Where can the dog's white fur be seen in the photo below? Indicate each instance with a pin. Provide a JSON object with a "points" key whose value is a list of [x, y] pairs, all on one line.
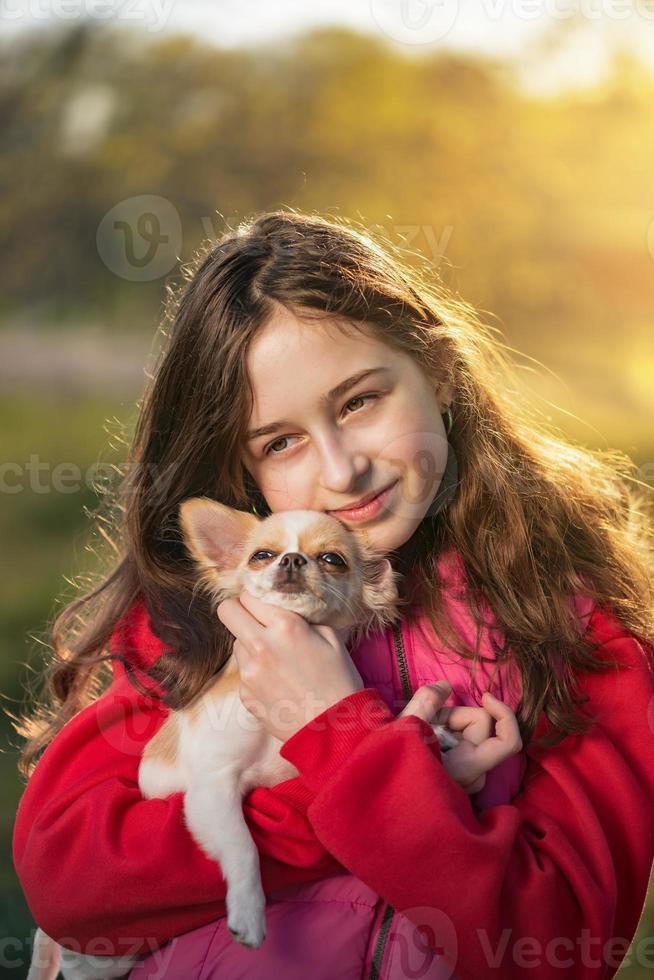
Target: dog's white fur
{"points": [[214, 750]]}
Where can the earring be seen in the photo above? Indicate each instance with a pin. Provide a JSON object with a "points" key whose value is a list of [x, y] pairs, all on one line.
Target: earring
{"points": [[448, 484], [264, 507], [450, 420]]}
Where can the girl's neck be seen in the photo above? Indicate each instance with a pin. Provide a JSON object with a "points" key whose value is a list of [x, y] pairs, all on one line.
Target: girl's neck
{"points": [[415, 551]]}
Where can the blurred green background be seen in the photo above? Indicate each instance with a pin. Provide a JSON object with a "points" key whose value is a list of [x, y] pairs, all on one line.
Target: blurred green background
{"points": [[122, 152]]}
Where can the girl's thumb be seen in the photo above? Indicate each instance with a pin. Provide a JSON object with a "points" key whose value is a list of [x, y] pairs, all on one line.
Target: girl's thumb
{"points": [[427, 701]]}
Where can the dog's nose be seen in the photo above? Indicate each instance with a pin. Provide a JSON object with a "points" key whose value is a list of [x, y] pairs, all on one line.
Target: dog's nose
{"points": [[292, 561], [290, 577]]}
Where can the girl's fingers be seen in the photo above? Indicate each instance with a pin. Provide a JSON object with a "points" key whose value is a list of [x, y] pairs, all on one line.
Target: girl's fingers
{"points": [[427, 701], [264, 612], [507, 740], [464, 763], [247, 617], [475, 723], [240, 623], [490, 753], [507, 729]]}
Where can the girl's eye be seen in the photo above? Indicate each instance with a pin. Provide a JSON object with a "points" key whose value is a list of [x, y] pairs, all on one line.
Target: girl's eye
{"points": [[268, 450], [360, 398]]}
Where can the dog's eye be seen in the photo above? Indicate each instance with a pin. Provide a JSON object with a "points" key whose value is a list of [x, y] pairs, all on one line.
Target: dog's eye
{"points": [[262, 555], [333, 558]]}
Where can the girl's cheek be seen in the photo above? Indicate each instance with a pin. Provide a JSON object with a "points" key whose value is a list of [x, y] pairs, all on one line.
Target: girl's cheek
{"points": [[283, 492]]}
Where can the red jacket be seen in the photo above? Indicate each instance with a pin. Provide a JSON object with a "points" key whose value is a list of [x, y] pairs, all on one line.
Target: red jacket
{"points": [[557, 877]]}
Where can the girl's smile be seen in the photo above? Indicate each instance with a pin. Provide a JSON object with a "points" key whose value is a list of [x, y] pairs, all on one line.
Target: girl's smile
{"points": [[369, 509]]}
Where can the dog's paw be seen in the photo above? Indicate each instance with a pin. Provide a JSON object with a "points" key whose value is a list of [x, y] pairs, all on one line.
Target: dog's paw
{"points": [[246, 920]]}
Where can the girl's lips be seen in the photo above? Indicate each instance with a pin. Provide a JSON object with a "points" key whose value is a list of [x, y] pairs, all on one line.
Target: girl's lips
{"points": [[369, 509]]}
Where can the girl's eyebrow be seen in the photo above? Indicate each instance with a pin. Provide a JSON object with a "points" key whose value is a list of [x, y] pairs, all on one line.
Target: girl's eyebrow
{"points": [[332, 395]]}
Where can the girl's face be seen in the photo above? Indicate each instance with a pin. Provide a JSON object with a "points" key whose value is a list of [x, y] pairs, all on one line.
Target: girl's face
{"points": [[325, 452]]}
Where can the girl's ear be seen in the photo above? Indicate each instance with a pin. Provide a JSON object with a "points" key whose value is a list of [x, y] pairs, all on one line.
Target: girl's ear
{"points": [[445, 395], [214, 534]]}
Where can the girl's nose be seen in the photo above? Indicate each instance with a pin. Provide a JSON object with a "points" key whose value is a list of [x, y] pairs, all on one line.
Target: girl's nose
{"points": [[341, 466]]}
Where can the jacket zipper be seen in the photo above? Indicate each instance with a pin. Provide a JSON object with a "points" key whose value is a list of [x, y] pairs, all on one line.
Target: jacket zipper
{"points": [[401, 661], [389, 911]]}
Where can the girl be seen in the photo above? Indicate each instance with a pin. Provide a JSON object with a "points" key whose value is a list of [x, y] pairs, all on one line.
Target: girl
{"points": [[308, 367]]}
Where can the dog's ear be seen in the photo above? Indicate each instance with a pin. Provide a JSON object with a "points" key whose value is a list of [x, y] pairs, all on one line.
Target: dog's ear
{"points": [[214, 534], [379, 583], [380, 598]]}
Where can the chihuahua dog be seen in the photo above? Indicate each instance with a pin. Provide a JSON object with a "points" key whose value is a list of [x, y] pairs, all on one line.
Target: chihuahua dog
{"points": [[213, 749]]}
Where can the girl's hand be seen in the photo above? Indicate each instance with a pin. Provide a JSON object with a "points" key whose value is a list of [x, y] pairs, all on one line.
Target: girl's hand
{"points": [[477, 752], [290, 670]]}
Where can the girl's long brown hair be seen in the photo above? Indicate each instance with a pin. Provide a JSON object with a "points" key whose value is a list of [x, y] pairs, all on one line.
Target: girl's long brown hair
{"points": [[533, 517]]}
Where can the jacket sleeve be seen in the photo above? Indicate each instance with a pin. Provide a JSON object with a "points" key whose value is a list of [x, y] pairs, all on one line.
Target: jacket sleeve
{"points": [[96, 859], [551, 885]]}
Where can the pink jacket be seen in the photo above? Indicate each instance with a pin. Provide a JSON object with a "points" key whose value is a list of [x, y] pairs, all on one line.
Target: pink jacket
{"points": [[337, 927]]}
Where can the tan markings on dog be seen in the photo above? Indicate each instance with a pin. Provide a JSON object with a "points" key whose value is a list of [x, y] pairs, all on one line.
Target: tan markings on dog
{"points": [[322, 535], [227, 680], [260, 563], [163, 745]]}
